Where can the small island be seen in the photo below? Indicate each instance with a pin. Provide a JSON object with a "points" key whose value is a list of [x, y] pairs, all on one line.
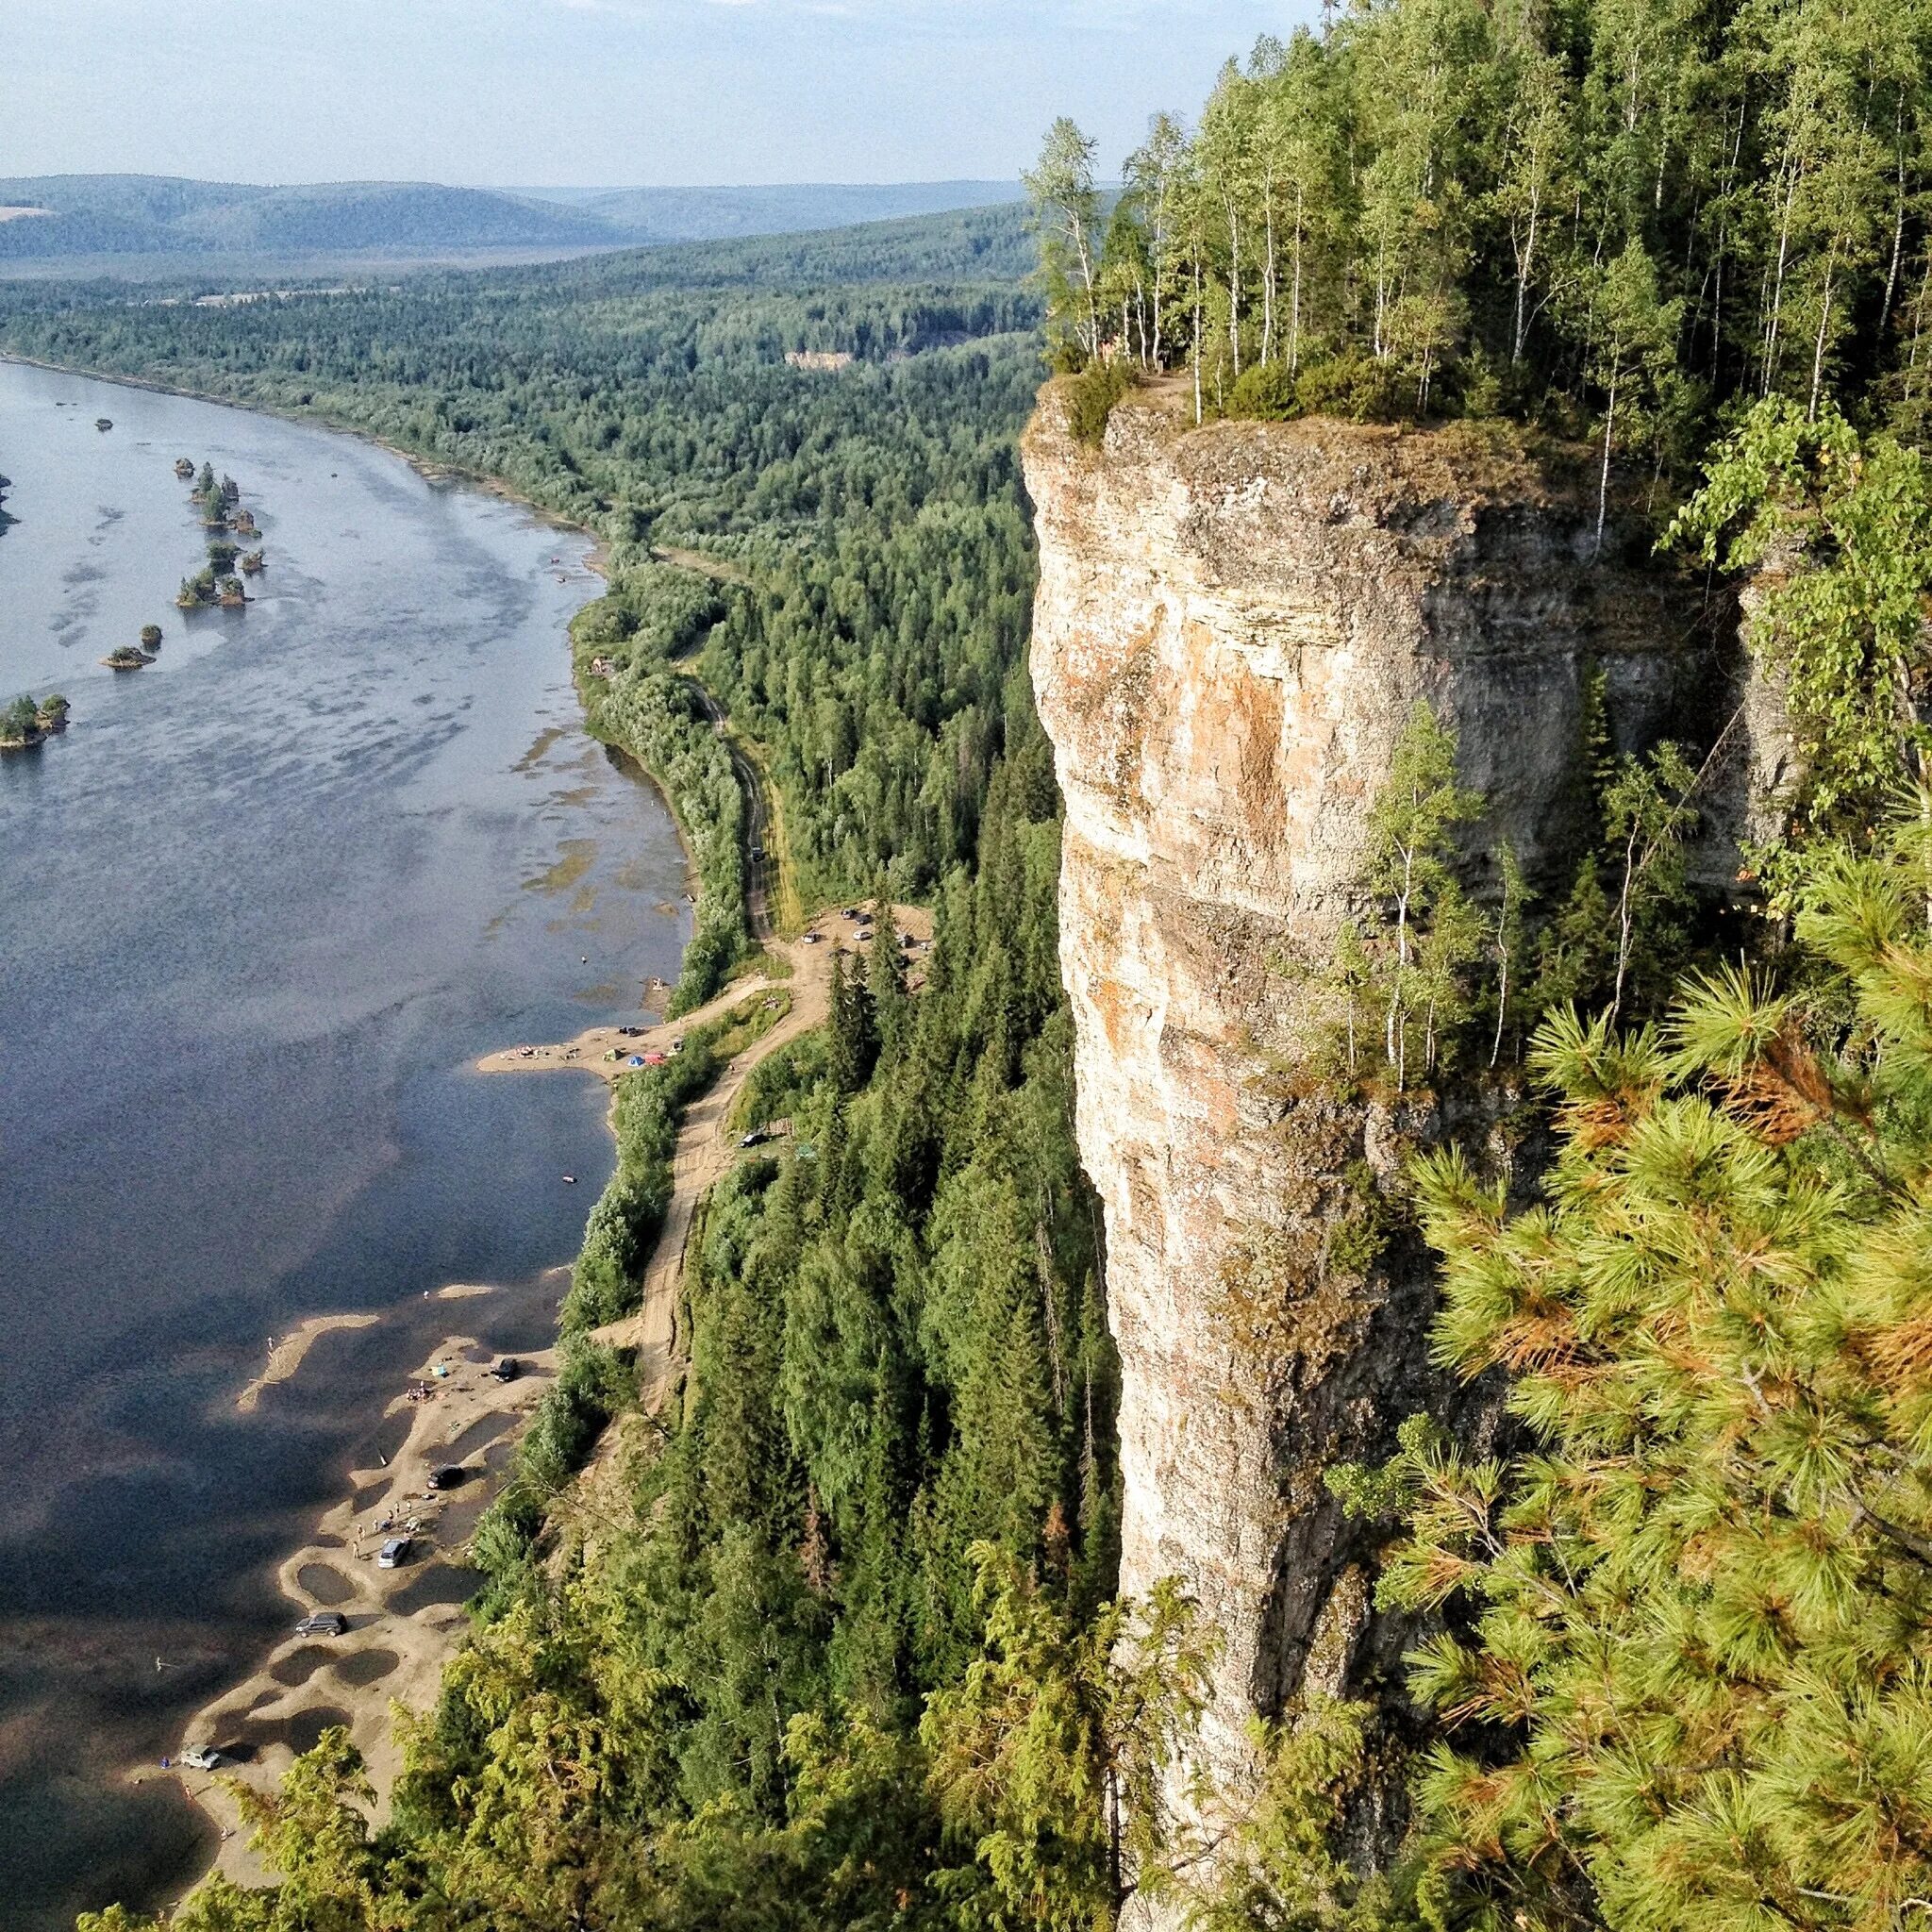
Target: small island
{"points": [[211, 497], [104, 424], [126, 658], [219, 581], [150, 638], [27, 720]]}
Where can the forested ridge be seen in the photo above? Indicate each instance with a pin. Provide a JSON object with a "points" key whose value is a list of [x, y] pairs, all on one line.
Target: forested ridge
{"points": [[219, 222], [1611, 219]]}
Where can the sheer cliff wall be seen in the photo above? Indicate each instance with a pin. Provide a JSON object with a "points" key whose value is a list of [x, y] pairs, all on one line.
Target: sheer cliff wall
{"points": [[1232, 625]]}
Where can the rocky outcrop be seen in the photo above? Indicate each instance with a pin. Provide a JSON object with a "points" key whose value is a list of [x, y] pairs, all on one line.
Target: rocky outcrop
{"points": [[1232, 625]]}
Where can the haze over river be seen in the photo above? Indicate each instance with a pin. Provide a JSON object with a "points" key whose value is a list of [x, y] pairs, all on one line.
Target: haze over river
{"points": [[260, 907]]}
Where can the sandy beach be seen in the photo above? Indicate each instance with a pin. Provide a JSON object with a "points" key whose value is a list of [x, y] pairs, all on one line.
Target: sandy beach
{"points": [[405, 1623], [287, 1355], [606, 1051]]}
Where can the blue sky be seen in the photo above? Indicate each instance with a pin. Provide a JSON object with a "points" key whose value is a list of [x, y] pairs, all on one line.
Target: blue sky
{"points": [[592, 92]]}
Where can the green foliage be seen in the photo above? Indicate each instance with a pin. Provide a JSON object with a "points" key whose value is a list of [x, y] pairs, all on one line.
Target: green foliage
{"points": [[1049, 1758], [1401, 970], [1090, 397], [1276, 1868], [1066, 214], [1841, 526], [19, 721], [1688, 1657], [1608, 219]]}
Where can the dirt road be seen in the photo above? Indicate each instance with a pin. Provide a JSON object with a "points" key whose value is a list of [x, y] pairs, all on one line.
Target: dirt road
{"points": [[705, 1149]]}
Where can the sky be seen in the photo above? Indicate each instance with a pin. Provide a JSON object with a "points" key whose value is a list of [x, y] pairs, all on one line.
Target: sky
{"points": [[597, 93]]}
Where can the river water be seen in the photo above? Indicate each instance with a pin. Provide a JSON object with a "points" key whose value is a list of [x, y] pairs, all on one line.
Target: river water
{"points": [[260, 907]]}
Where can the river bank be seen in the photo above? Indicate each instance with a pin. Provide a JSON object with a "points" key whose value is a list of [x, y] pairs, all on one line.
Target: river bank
{"points": [[261, 1719], [272, 910], [404, 1624]]}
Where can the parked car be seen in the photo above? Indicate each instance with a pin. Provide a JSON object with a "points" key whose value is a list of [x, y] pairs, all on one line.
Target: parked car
{"points": [[755, 1138], [451, 1477], [507, 1370], [202, 1757], [391, 1553], [322, 1623]]}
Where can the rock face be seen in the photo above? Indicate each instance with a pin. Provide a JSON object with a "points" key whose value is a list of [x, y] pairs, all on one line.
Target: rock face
{"points": [[1233, 625]]}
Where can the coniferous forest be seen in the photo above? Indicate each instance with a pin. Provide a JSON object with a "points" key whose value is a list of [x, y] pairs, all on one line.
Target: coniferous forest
{"points": [[848, 1651]]}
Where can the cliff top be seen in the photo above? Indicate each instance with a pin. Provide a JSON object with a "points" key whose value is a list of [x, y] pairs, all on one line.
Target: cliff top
{"points": [[1372, 465]]}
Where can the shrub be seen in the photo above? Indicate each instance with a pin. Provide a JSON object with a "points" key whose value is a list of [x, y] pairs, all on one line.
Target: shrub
{"points": [[1360, 388], [1269, 392], [1091, 399]]}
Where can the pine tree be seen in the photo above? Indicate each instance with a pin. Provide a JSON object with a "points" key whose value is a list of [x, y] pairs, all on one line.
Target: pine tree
{"points": [[1693, 1661], [1049, 1757], [884, 981], [853, 1041]]}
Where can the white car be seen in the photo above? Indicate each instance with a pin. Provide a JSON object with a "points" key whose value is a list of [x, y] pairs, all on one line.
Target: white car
{"points": [[201, 1757], [391, 1553]]}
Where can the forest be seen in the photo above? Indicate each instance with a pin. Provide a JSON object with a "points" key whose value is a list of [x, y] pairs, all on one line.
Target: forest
{"points": [[1671, 1630], [1610, 219]]}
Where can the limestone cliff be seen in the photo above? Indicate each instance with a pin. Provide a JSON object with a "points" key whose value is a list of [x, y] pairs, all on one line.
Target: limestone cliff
{"points": [[1232, 625]]}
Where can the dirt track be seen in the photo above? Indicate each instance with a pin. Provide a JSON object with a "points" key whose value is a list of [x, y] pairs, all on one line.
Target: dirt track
{"points": [[705, 1149]]}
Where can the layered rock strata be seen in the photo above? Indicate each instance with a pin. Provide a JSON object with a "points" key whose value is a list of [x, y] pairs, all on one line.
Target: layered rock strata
{"points": [[1232, 625]]}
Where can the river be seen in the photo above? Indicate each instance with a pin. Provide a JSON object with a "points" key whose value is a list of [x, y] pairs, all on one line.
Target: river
{"points": [[260, 907]]}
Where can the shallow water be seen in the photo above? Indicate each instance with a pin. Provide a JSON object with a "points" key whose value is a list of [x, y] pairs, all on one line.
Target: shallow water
{"points": [[260, 907]]}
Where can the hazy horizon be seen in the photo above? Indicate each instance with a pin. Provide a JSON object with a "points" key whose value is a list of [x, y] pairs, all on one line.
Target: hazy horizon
{"points": [[554, 94], [546, 190]]}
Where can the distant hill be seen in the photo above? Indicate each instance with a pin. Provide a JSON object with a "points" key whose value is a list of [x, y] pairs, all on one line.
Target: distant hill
{"points": [[51, 218], [714, 214], [977, 244], [55, 215]]}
